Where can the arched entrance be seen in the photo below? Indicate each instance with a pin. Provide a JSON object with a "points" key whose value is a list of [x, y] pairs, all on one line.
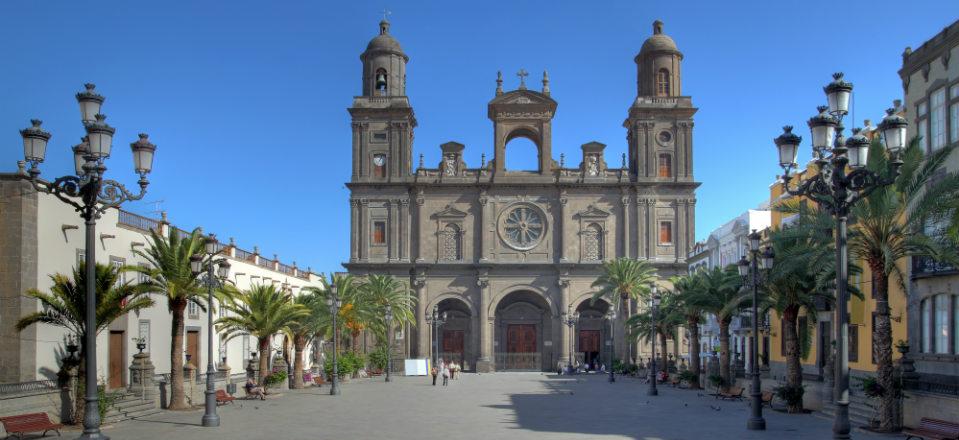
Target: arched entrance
{"points": [[523, 335], [455, 335], [592, 342]]}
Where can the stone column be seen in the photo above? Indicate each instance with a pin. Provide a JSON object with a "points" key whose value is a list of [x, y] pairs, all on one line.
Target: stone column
{"points": [[679, 229], [393, 249], [625, 201], [354, 229], [564, 330], [481, 231], [563, 199], [485, 362], [420, 200], [641, 231], [422, 328], [652, 227], [404, 217], [364, 232]]}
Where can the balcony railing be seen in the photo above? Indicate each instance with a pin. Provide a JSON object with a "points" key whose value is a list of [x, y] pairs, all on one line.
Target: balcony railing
{"points": [[928, 266], [138, 221], [28, 387]]}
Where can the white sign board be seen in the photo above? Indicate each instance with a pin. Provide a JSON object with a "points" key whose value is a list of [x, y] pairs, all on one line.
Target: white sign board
{"points": [[417, 367]]}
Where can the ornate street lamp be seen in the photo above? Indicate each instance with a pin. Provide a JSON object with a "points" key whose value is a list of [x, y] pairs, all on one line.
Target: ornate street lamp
{"points": [[334, 303], [759, 261], [570, 319], [91, 195], [436, 319], [389, 342], [654, 300], [611, 316], [842, 181], [199, 262]]}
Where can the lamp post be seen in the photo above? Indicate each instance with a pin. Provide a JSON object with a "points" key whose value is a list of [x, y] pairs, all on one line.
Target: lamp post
{"points": [[570, 319], [841, 182], [653, 305], [212, 281], [435, 320], [334, 303], [389, 343], [758, 259], [611, 315], [91, 195]]}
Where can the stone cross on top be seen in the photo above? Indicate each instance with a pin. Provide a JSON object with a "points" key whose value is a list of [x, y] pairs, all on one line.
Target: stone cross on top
{"points": [[386, 14], [522, 74]]}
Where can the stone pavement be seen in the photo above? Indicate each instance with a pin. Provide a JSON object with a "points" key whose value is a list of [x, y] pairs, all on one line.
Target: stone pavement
{"points": [[499, 406]]}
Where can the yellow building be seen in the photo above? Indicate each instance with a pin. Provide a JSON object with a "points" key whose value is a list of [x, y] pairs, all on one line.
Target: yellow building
{"points": [[861, 312]]}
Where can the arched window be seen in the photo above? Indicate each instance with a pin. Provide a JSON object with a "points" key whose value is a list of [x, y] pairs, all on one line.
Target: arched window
{"points": [[451, 243], [593, 243], [662, 83], [379, 165], [665, 165], [379, 83]]}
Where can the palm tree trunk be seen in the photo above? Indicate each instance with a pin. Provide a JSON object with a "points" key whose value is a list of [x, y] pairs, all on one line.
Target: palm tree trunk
{"points": [[664, 346], [693, 325], [791, 341], [882, 341], [724, 369], [299, 343], [177, 396], [264, 360]]}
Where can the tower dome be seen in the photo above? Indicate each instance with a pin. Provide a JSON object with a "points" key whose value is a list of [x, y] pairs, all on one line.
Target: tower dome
{"points": [[658, 65], [384, 65]]}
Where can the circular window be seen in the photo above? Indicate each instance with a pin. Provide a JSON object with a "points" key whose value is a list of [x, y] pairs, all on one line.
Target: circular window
{"points": [[522, 227], [665, 137]]}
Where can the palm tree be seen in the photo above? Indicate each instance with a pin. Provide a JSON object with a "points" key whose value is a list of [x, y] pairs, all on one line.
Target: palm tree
{"points": [[690, 305], [307, 327], [65, 305], [624, 279], [355, 313], [668, 319], [387, 292], [170, 275], [261, 311], [889, 227], [721, 298]]}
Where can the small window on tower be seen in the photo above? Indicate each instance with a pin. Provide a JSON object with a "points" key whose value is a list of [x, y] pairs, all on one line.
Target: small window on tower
{"points": [[662, 82], [665, 233], [381, 80], [379, 232], [379, 165], [665, 165]]}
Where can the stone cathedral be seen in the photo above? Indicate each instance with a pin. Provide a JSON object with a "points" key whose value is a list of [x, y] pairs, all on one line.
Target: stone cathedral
{"points": [[509, 254]]}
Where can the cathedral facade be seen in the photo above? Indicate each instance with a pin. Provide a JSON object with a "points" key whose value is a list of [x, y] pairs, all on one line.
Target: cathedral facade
{"points": [[508, 255]]}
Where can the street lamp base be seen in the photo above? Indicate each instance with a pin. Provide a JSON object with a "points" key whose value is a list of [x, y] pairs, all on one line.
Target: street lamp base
{"points": [[841, 426], [652, 392], [611, 377], [756, 424], [93, 436], [211, 421], [388, 379]]}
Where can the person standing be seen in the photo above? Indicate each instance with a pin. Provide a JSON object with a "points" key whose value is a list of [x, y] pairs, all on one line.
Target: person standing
{"points": [[446, 374], [433, 372]]}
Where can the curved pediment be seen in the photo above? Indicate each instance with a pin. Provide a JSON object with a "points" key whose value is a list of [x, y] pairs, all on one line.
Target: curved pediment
{"points": [[522, 104]]}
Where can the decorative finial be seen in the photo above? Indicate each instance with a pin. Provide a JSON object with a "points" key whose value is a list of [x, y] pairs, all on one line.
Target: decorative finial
{"points": [[657, 27], [624, 161], [421, 160], [163, 217], [21, 168], [788, 128], [545, 83], [232, 241], [384, 23], [482, 160], [822, 108], [522, 74], [562, 160], [890, 111], [499, 82]]}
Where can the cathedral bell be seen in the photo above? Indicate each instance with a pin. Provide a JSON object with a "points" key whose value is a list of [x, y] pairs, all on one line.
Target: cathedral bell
{"points": [[380, 81]]}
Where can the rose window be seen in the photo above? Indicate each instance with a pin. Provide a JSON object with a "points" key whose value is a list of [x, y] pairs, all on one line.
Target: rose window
{"points": [[523, 227]]}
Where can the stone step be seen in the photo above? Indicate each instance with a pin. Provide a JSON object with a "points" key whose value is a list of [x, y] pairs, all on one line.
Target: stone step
{"points": [[130, 406]]}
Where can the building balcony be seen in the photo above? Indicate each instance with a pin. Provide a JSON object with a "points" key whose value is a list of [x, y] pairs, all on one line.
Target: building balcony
{"points": [[923, 267]]}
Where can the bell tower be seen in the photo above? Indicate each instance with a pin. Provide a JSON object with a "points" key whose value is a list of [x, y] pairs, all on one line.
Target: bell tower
{"points": [[383, 119]]}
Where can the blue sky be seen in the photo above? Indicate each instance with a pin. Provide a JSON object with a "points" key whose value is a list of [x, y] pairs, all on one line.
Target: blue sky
{"points": [[247, 99]]}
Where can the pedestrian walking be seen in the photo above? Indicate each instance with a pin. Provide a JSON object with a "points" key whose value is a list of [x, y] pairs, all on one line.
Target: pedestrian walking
{"points": [[446, 374], [453, 367], [433, 372]]}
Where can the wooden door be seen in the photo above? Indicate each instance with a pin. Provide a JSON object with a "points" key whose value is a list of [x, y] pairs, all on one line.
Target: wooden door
{"points": [[117, 365], [521, 347], [453, 345], [193, 346], [589, 341]]}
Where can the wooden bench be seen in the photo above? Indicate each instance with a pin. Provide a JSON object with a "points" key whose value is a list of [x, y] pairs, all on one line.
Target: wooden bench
{"points": [[768, 397], [933, 429], [318, 380], [222, 398], [372, 373], [33, 422], [675, 382], [733, 393]]}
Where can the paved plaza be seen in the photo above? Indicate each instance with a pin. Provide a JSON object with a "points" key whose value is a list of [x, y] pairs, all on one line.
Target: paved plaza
{"points": [[483, 406]]}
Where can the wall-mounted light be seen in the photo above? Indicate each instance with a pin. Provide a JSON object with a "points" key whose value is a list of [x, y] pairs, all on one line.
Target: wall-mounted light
{"points": [[136, 244], [106, 236], [66, 228]]}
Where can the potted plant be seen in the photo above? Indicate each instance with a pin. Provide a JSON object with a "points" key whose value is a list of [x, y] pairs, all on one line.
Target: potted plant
{"points": [[792, 395], [902, 346], [141, 343]]}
